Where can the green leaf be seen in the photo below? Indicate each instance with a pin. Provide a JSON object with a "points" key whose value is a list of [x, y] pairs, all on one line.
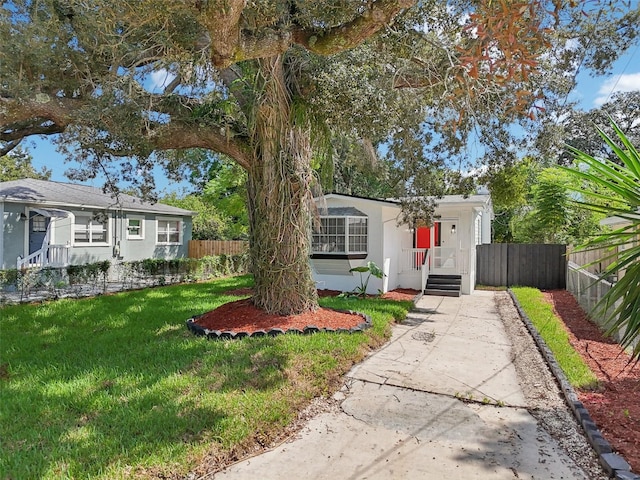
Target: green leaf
{"points": [[361, 269], [620, 306]]}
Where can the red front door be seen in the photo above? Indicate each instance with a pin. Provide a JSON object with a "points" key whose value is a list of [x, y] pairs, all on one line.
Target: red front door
{"points": [[423, 236]]}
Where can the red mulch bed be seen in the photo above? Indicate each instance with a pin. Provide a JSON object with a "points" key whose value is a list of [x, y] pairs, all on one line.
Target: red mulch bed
{"points": [[400, 294], [615, 407], [242, 316]]}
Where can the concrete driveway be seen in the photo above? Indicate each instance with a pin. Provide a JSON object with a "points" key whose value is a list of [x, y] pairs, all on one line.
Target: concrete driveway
{"points": [[440, 401]]}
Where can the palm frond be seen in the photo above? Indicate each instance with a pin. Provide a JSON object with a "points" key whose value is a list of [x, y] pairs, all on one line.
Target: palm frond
{"points": [[620, 307]]}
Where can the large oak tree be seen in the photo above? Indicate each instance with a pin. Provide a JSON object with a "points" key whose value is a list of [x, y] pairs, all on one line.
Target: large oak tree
{"points": [[124, 84]]}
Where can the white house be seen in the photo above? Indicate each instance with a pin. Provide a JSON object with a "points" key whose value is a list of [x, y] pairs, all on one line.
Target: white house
{"points": [[52, 223], [354, 231]]}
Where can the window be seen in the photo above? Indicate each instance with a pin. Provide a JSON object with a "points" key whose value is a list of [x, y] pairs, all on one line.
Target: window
{"points": [[39, 223], [341, 235], [357, 234], [169, 231], [135, 228], [88, 230]]}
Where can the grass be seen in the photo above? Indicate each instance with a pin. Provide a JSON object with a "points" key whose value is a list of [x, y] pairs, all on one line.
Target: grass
{"points": [[556, 337], [116, 387]]}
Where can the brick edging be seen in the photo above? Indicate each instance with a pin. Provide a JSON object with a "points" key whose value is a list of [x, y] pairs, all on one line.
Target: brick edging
{"points": [[615, 466]]}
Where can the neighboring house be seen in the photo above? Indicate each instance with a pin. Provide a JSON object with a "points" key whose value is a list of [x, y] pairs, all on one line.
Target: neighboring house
{"points": [[356, 230], [51, 223]]}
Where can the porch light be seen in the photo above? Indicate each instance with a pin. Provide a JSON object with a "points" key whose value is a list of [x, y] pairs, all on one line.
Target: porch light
{"points": [[22, 217], [453, 229]]}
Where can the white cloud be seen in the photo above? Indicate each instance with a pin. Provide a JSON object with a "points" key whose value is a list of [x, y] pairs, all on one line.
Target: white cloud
{"points": [[620, 83], [160, 79]]}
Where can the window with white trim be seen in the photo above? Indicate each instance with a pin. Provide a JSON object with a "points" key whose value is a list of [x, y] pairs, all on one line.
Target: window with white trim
{"points": [[169, 232], [341, 235], [39, 223], [135, 228], [89, 230]]}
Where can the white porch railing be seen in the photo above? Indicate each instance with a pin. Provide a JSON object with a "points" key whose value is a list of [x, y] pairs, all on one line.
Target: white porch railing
{"points": [[447, 258], [47, 256], [412, 259]]}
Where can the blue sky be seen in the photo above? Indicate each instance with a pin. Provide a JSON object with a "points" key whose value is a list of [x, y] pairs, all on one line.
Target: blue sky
{"points": [[591, 92]]}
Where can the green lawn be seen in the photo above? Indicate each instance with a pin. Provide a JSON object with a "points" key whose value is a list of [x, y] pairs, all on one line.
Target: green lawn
{"points": [[555, 335], [116, 387]]}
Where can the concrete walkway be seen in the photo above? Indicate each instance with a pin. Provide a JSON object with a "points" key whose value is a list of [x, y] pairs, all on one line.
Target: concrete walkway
{"points": [[440, 401]]}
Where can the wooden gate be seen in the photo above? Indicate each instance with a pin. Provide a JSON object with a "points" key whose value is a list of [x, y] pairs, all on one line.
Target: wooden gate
{"points": [[528, 265]]}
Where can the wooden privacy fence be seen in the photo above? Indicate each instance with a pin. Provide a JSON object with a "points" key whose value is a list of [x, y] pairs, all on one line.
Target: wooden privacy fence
{"points": [[204, 248], [591, 256], [526, 265]]}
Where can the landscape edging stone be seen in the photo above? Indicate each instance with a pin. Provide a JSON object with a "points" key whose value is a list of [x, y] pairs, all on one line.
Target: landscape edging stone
{"points": [[198, 330], [615, 465]]}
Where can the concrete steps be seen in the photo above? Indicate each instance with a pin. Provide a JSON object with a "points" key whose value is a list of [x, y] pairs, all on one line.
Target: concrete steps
{"points": [[443, 285]]}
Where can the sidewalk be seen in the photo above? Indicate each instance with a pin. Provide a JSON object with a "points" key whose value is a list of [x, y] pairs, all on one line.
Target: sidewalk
{"points": [[440, 401]]}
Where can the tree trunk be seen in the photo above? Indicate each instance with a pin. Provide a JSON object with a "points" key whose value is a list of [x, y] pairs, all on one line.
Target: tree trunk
{"points": [[280, 200]]}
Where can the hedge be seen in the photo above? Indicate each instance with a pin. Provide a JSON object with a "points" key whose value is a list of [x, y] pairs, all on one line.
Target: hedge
{"points": [[100, 277]]}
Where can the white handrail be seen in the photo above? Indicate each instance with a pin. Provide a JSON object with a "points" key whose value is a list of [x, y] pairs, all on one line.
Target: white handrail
{"points": [[47, 256], [33, 260], [424, 269]]}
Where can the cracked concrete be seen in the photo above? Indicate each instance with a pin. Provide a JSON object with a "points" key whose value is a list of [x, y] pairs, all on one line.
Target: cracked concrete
{"points": [[441, 400]]}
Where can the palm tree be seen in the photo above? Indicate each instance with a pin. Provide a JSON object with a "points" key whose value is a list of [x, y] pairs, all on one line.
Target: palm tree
{"points": [[614, 189]]}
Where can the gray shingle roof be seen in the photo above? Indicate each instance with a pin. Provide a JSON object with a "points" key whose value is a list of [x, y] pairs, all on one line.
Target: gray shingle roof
{"points": [[42, 192], [341, 212]]}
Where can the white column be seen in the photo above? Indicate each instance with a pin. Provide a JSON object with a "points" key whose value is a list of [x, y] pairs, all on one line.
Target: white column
{"points": [[486, 227], [385, 280]]}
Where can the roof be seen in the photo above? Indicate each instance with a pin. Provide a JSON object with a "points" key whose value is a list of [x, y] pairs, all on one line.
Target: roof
{"points": [[43, 192], [617, 222], [341, 212], [391, 202], [445, 201], [452, 200]]}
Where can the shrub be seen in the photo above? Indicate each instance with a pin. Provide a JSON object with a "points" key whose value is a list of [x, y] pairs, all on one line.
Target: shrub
{"points": [[151, 271]]}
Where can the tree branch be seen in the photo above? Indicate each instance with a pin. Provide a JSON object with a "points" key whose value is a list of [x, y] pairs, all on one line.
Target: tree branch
{"points": [[345, 37], [173, 136], [231, 44], [417, 81], [222, 20], [43, 107], [8, 147], [18, 120], [234, 81], [175, 83], [15, 132]]}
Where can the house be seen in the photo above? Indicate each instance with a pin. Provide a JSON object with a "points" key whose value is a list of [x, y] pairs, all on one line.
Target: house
{"points": [[47, 223], [353, 231]]}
